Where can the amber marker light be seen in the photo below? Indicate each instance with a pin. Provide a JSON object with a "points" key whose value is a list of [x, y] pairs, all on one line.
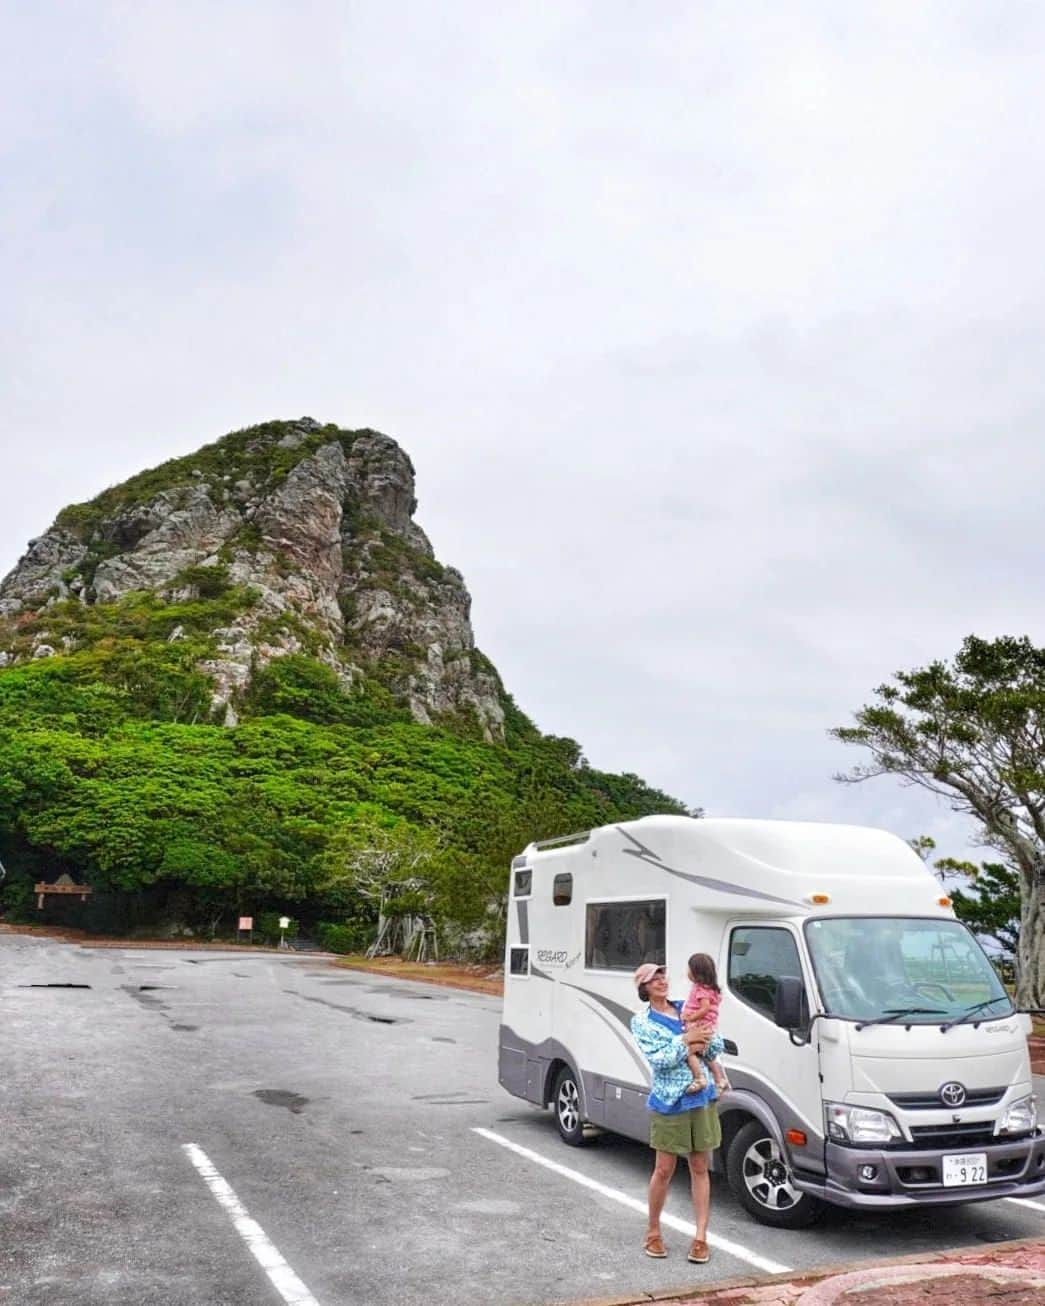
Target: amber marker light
{"points": [[944, 902], [819, 899], [797, 1137]]}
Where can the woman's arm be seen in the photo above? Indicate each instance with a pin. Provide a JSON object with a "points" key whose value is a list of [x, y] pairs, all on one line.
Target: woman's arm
{"points": [[661, 1048], [696, 1036]]}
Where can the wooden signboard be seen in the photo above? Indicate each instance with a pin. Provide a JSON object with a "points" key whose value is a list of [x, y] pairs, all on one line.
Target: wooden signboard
{"points": [[64, 885]]}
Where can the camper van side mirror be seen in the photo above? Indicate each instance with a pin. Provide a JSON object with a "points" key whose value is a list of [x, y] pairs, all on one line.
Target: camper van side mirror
{"points": [[789, 1010]]}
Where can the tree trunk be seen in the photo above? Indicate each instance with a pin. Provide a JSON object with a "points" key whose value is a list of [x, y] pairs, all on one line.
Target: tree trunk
{"points": [[380, 944], [1030, 961]]}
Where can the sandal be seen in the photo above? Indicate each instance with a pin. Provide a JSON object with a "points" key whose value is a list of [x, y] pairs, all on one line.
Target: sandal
{"points": [[696, 1086]]}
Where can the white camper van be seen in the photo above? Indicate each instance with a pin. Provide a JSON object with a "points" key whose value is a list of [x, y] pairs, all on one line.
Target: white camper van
{"points": [[876, 1060]]}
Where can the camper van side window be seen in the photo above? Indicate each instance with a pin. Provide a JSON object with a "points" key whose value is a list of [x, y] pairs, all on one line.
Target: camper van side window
{"points": [[519, 961], [562, 890], [622, 935], [758, 957], [523, 884]]}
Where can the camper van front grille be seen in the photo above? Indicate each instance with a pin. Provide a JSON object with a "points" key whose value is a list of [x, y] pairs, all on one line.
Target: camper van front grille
{"points": [[957, 1136], [931, 1101]]}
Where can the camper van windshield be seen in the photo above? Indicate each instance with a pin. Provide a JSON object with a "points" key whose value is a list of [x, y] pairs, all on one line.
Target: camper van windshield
{"points": [[869, 967]]}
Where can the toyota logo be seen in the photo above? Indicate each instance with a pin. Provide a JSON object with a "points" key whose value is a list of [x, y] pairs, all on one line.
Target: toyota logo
{"points": [[952, 1094]]}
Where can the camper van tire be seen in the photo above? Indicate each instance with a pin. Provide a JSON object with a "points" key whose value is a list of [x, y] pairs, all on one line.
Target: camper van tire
{"points": [[566, 1103], [760, 1180]]}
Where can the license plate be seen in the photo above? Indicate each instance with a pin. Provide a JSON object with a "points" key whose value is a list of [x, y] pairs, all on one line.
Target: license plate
{"points": [[967, 1168]]}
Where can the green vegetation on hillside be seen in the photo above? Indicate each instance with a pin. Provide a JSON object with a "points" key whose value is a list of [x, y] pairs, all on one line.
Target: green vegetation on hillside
{"points": [[139, 619], [252, 454], [326, 801], [111, 770]]}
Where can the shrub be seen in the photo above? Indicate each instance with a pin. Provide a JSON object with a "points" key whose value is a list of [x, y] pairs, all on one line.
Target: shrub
{"points": [[343, 936], [208, 582], [17, 902], [300, 686]]}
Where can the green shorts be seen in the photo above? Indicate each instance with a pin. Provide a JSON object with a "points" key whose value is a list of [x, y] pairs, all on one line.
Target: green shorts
{"points": [[688, 1131]]}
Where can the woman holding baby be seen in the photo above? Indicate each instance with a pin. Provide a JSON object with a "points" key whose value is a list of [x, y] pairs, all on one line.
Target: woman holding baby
{"points": [[683, 1117]]}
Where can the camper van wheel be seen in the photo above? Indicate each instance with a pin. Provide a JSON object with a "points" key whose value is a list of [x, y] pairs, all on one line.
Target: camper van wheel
{"points": [[566, 1103], [760, 1178]]}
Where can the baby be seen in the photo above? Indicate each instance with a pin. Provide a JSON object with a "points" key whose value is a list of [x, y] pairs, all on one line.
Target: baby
{"points": [[701, 1009]]}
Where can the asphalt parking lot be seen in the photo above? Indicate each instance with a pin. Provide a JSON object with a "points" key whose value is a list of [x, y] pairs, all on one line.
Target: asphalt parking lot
{"points": [[234, 1129]]}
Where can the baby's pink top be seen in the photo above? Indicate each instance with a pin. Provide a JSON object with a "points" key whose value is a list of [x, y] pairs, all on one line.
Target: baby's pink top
{"points": [[698, 994]]}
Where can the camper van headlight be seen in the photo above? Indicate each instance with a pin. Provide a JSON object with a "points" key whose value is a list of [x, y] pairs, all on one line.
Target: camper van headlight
{"points": [[859, 1124], [1020, 1116]]}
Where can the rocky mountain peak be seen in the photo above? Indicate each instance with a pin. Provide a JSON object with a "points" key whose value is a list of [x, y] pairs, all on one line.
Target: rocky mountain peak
{"points": [[284, 538]]}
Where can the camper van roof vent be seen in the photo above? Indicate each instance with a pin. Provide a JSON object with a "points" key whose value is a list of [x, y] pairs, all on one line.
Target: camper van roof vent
{"points": [[582, 836]]}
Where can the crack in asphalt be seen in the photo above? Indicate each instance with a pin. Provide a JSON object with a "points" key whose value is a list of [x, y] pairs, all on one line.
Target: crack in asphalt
{"points": [[351, 1011]]}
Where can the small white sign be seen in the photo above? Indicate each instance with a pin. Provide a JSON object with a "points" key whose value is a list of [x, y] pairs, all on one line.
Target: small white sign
{"points": [[246, 922], [284, 922]]}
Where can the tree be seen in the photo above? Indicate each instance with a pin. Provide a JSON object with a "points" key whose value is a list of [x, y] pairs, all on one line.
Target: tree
{"points": [[994, 909], [492, 827], [394, 870], [973, 732]]}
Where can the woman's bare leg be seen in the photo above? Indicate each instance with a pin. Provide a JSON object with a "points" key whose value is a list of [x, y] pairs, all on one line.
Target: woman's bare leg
{"points": [[663, 1168], [700, 1188]]}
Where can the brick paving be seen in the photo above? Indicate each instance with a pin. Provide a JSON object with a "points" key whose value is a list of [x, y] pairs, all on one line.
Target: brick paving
{"points": [[1009, 1274]]}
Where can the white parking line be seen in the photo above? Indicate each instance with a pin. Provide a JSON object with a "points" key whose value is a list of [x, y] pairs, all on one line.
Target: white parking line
{"points": [[284, 1280], [681, 1226], [1026, 1201]]}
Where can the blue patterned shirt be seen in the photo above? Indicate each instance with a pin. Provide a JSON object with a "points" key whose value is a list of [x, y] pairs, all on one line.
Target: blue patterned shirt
{"points": [[659, 1040]]}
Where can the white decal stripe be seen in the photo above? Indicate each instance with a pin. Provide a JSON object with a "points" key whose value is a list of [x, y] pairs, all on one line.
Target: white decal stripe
{"points": [[680, 1226], [283, 1278], [623, 1038]]}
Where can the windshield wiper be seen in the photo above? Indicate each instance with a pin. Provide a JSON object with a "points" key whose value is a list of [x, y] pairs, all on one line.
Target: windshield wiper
{"points": [[894, 1013], [969, 1011]]}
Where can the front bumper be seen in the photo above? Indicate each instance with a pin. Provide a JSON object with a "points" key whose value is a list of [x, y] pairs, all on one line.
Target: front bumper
{"points": [[912, 1177]]}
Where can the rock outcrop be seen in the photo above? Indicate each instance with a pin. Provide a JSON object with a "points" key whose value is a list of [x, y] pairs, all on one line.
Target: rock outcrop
{"points": [[311, 530]]}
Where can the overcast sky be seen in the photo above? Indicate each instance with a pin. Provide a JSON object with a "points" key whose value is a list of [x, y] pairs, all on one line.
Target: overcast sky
{"points": [[714, 330]]}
